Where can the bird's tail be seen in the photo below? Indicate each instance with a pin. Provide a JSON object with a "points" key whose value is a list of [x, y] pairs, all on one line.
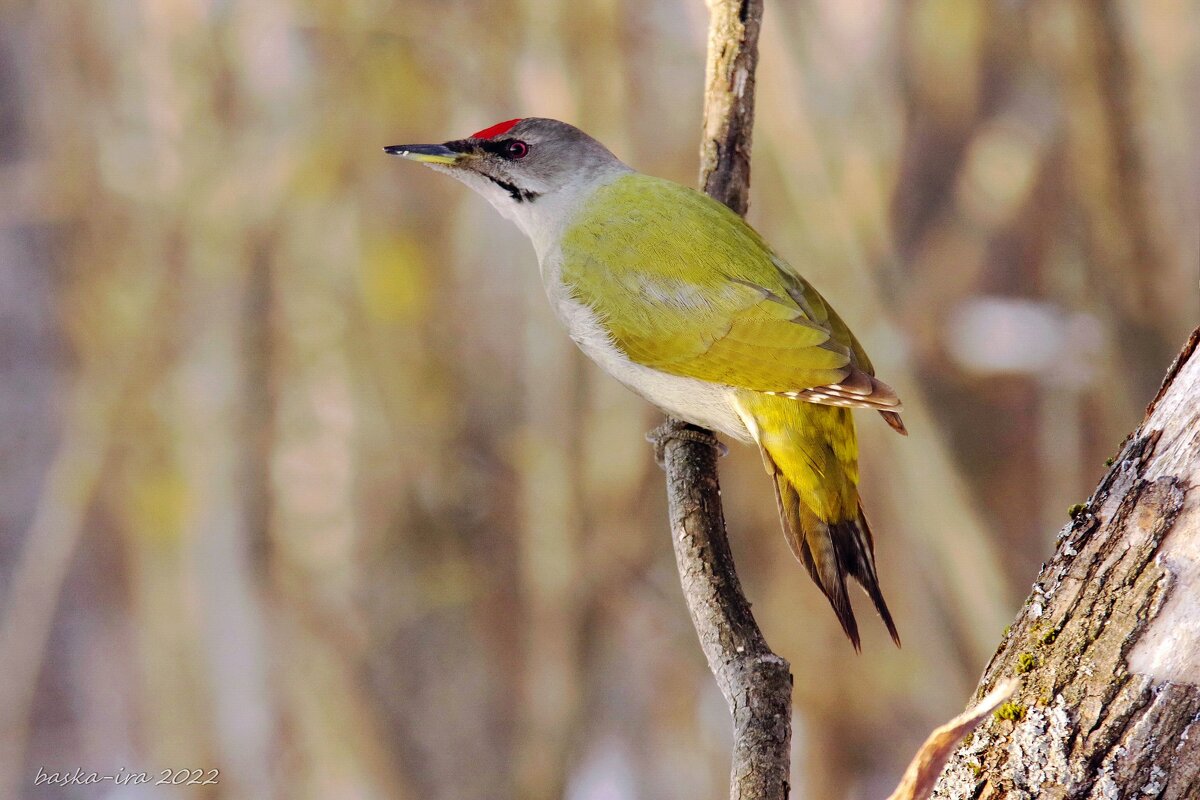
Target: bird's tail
{"points": [[831, 550], [812, 455]]}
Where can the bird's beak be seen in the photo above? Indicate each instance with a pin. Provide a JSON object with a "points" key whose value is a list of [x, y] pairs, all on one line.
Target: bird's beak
{"points": [[427, 153]]}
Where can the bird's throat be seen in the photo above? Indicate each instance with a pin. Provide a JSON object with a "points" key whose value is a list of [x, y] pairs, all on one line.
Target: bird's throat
{"points": [[514, 191]]}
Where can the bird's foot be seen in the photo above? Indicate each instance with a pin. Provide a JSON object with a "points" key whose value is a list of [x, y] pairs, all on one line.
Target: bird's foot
{"points": [[683, 431]]}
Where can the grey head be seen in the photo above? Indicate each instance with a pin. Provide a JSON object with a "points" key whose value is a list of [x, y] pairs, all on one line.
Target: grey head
{"points": [[523, 166]]}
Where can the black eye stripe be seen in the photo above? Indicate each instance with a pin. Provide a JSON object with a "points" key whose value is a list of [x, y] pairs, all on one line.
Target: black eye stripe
{"points": [[504, 148]]}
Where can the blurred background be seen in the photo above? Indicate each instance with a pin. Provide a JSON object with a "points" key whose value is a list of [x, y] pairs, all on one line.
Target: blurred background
{"points": [[300, 481]]}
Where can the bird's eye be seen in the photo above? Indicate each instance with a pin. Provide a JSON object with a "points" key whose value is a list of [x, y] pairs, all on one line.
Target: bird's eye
{"points": [[516, 149]]}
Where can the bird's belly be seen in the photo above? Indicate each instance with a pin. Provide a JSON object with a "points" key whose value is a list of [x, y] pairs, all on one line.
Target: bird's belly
{"points": [[709, 405]]}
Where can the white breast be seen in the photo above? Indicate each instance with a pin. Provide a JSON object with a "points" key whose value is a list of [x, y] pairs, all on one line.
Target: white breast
{"points": [[702, 403]]}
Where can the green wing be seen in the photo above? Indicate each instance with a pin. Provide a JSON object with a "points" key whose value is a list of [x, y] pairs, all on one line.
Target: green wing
{"points": [[685, 286]]}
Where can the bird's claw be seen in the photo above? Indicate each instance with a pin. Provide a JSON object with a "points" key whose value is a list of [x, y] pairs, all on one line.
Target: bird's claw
{"points": [[674, 429]]}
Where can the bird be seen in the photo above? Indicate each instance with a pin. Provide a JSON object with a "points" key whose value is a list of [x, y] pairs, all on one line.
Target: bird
{"points": [[680, 299]]}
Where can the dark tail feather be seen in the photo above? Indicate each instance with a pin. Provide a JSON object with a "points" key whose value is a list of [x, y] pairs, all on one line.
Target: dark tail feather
{"points": [[856, 550], [817, 554], [831, 551]]}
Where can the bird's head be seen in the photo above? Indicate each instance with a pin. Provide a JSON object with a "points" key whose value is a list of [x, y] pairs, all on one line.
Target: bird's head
{"points": [[523, 166]]}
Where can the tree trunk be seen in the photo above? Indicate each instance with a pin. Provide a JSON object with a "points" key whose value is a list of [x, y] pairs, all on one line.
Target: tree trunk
{"points": [[1107, 646]]}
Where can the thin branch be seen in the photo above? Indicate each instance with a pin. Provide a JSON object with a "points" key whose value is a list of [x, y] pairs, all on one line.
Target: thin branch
{"points": [[729, 100], [756, 683]]}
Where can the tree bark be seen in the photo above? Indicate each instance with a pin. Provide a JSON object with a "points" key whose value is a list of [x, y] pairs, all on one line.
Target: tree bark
{"points": [[729, 100], [756, 683], [1107, 646]]}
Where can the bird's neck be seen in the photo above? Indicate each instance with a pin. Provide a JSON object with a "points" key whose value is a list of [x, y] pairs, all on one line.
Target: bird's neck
{"points": [[545, 217]]}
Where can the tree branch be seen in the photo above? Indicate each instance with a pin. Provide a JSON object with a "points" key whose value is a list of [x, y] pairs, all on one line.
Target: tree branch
{"points": [[756, 683], [729, 100]]}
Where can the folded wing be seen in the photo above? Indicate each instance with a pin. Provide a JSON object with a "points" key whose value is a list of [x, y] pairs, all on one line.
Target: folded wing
{"points": [[683, 285]]}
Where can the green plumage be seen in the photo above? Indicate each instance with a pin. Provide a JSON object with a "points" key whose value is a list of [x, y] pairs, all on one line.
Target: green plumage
{"points": [[683, 285], [686, 286]]}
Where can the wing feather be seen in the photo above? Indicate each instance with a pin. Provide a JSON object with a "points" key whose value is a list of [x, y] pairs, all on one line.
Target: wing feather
{"points": [[684, 285]]}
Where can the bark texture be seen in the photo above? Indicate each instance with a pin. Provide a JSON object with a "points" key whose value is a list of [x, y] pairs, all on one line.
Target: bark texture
{"points": [[756, 683], [1107, 646], [729, 100]]}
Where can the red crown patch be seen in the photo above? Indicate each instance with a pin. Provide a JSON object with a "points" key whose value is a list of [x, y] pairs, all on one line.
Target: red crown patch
{"points": [[496, 130]]}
